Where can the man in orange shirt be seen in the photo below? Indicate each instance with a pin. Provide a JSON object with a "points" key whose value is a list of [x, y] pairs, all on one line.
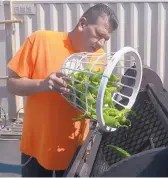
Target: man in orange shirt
{"points": [[50, 138]]}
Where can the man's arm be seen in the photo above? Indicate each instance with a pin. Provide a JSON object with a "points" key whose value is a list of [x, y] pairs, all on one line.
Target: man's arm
{"points": [[23, 86], [26, 87]]}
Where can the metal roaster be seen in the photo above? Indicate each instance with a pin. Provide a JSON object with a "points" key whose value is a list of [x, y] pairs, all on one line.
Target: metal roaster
{"points": [[146, 140]]}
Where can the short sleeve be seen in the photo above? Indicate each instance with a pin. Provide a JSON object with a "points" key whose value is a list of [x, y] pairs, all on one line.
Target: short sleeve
{"points": [[22, 63]]}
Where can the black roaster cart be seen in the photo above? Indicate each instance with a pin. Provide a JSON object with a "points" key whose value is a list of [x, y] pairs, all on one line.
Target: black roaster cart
{"points": [[146, 140]]}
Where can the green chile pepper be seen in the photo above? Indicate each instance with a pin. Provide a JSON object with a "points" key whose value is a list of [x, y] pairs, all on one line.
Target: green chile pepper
{"points": [[112, 116]]}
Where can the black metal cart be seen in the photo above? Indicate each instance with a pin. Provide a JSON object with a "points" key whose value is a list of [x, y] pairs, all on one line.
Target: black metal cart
{"points": [[146, 140]]}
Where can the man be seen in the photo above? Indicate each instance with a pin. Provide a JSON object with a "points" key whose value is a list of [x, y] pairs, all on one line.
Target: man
{"points": [[50, 137]]}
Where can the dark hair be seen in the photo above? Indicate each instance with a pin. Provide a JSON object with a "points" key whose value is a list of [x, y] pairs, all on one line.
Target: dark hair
{"points": [[101, 10]]}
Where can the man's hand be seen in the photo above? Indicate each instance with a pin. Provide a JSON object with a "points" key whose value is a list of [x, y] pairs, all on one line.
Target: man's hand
{"points": [[55, 82]]}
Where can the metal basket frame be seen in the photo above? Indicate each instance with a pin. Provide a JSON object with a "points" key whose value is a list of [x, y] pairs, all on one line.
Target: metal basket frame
{"points": [[77, 62]]}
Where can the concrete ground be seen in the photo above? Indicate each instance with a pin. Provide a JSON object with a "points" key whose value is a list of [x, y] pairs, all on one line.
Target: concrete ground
{"points": [[10, 158]]}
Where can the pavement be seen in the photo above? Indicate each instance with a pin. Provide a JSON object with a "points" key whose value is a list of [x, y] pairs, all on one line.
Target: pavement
{"points": [[10, 157]]}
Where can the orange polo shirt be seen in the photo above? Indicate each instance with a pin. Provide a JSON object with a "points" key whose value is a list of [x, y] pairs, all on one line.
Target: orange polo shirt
{"points": [[49, 134]]}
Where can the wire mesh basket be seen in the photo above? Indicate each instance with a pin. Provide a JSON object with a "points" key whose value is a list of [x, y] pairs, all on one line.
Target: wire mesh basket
{"points": [[98, 83]]}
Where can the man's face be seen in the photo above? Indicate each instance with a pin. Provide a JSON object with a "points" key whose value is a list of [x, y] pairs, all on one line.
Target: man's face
{"points": [[94, 36]]}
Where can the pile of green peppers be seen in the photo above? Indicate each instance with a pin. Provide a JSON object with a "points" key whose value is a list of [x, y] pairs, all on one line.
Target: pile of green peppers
{"points": [[85, 87]]}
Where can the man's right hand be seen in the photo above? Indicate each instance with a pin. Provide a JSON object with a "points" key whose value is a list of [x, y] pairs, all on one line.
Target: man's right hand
{"points": [[55, 82]]}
